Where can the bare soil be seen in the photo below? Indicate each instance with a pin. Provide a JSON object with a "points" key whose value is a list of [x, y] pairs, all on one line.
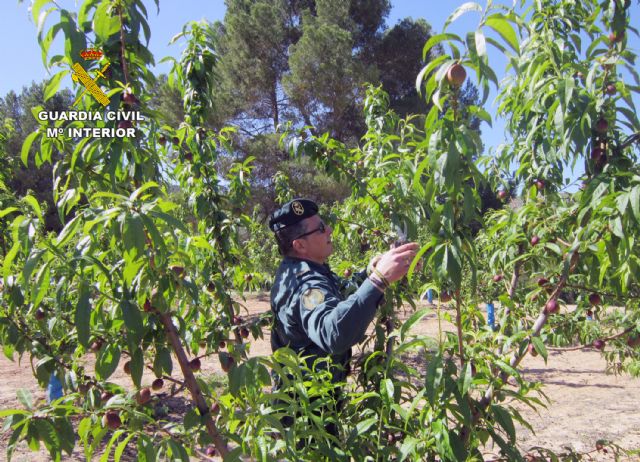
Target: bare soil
{"points": [[585, 403]]}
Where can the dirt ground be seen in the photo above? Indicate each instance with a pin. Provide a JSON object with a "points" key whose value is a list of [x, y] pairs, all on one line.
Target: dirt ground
{"points": [[586, 404]]}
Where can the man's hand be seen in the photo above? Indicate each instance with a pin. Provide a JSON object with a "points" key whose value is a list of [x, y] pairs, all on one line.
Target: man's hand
{"points": [[394, 264]]}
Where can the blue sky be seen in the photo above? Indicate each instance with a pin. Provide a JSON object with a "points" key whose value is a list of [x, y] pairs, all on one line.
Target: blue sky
{"points": [[21, 53], [22, 58], [22, 63]]}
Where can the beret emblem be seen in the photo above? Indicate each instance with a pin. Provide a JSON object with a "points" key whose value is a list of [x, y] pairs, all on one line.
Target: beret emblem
{"points": [[297, 208]]}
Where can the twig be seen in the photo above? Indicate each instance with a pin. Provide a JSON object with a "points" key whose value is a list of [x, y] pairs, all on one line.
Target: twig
{"points": [[606, 339], [125, 67], [192, 385]]}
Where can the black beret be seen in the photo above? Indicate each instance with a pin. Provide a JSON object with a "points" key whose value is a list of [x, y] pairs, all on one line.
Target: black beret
{"points": [[291, 213]]}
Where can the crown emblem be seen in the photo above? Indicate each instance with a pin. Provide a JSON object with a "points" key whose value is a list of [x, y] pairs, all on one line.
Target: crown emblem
{"points": [[91, 54]]}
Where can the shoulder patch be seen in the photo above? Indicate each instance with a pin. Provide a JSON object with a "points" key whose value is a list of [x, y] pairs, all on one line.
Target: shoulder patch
{"points": [[312, 298]]}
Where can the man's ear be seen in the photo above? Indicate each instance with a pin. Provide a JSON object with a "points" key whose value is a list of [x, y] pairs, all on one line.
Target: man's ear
{"points": [[298, 245]]}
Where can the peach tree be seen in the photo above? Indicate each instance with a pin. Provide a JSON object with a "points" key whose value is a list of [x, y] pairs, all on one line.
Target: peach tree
{"points": [[144, 283], [567, 107], [135, 280]]}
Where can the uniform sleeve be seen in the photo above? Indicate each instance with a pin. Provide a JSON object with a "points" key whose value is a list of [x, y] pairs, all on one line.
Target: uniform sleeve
{"points": [[333, 324]]}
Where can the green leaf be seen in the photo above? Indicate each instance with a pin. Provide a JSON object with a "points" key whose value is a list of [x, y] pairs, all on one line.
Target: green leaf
{"points": [[47, 433], [462, 9], [121, 447], [104, 24], [464, 382], [506, 368], [133, 234], [54, 84], [137, 367], [26, 146], [82, 317], [386, 390], [138, 192], [173, 222], [435, 40], [634, 195], [107, 450], [408, 446], [69, 231], [8, 210], [162, 362], [107, 361], [538, 344], [506, 422], [481, 43], [132, 321], [191, 419], [36, 6], [31, 263], [67, 434], [177, 451], [33, 203], [365, 425], [83, 12], [24, 396], [10, 412], [503, 27], [413, 319]]}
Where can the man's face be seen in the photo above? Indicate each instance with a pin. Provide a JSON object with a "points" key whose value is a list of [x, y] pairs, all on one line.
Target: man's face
{"points": [[316, 245]]}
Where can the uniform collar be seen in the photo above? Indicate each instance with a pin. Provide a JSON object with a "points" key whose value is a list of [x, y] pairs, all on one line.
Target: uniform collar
{"points": [[303, 264]]}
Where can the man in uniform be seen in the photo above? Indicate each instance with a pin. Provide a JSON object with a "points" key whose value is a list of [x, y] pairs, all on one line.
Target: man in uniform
{"points": [[312, 316]]}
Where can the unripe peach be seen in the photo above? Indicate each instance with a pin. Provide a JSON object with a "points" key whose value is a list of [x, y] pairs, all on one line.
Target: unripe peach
{"points": [[445, 297], [543, 282], [602, 126], [111, 420], [177, 270], [456, 75], [551, 306], [129, 99], [143, 396], [157, 384], [195, 364]]}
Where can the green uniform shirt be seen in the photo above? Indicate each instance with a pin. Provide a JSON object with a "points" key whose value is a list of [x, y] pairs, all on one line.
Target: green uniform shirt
{"points": [[313, 314]]}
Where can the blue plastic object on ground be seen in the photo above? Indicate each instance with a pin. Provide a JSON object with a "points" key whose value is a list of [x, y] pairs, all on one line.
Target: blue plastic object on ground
{"points": [[54, 389], [491, 317]]}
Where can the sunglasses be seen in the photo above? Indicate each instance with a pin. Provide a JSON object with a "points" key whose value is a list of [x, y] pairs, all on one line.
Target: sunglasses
{"points": [[322, 228]]}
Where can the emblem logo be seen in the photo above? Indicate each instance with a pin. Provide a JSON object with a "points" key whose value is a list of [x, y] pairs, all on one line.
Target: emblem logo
{"points": [[312, 298], [90, 85], [297, 208]]}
